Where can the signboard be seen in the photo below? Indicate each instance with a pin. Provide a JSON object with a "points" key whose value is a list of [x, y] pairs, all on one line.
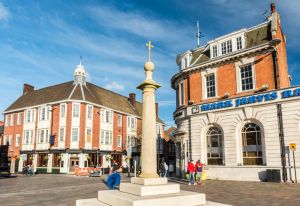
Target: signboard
{"points": [[242, 101], [293, 147], [24, 157]]}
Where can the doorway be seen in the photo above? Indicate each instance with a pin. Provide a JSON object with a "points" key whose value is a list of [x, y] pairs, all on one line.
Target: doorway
{"points": [[74, 162]]}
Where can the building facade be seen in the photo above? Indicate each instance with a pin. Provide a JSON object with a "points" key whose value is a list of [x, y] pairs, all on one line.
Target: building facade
{"points": [[236, 110], [73, 124]]}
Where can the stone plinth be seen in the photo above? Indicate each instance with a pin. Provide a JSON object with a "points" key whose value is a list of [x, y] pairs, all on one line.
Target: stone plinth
{"points": [[183, 198], [149, 181], [142, 190]]}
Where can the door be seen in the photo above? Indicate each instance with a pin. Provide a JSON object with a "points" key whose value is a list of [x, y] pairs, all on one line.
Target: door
{"points": [[74, 162]]}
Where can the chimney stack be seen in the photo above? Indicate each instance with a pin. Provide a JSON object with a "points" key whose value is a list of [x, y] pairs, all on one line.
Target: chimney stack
{"points": [[156, 109], [132, 99], [273, 8], [27, 88]]}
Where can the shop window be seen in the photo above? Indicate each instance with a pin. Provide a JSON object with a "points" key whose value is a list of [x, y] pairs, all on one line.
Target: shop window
{"points": [[214, 146], [56, 160], [42, 160], [252, 145]]}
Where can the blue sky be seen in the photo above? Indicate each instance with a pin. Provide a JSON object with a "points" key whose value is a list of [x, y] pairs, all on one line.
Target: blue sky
{"points": [[41, 41]]}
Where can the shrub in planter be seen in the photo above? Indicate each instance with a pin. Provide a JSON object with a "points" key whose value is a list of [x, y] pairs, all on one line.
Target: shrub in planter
{"points": [[41, 170], [55, 171]]}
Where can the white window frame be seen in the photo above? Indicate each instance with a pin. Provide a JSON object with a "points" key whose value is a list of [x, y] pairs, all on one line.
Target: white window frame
{"points": [[181, 97], [73, 132], [18, 139], [19, 118], [42, 113], [213, 54], [86, 133], [119, 141], [74, 105], [204, 74], [62, 139], [119, 120], [10, 140], [106, 137], [236, 39], [7, 120], [89, 112], [64, 113], [12, 119], [131, 122], [238, 65], [5, 138]]}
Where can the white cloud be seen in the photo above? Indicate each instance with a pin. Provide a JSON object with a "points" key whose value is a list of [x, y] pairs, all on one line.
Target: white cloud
{"points": [[142, 24], [4, 12], [114, 86]]}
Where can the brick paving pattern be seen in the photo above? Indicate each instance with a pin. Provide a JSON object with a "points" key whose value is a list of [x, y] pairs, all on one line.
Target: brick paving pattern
{"points": [[63, 190]]}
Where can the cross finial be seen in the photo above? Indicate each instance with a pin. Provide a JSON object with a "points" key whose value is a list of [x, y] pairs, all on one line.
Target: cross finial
{"points": [[149, 45]]}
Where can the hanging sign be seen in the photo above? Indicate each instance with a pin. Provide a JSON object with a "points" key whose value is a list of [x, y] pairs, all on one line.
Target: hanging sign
{"points": [[293, 147]]}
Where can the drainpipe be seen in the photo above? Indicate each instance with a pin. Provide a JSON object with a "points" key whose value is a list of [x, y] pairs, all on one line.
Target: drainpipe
{"points": [[279, 110]]}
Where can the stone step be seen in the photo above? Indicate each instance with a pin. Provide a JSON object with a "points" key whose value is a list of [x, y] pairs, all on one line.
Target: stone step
{"points": [[149, 181], [142, 190], [90, 202], [117, 198]]}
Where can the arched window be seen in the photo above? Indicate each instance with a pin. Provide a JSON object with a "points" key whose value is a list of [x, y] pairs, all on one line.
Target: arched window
{"points": [[214, 146], [252, 149]]}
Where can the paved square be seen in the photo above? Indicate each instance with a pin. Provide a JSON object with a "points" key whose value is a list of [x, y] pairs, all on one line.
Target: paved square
{"points": [[63, 190]]}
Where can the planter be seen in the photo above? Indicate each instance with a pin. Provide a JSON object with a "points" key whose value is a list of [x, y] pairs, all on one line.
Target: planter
{"points": [[106, 170], [55, 171], [124, 169], [41, 170]]}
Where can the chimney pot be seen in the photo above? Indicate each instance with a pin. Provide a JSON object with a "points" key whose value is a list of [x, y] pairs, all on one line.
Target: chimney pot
{"points": [[132, 99], [27, 88], [273, 8]]}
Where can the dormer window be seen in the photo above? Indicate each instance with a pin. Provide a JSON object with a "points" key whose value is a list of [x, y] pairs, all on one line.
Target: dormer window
{"points": [[227, 44], [239, 43], [226, 47], [184, 61], [215, 51]]}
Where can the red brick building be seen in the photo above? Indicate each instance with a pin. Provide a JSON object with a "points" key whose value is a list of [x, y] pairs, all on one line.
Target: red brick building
{"points": [[235, 104], [76, 123]]}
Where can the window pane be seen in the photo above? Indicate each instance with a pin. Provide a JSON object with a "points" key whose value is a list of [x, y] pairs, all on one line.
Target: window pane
{"points": [[214, 146], [246, 78]]}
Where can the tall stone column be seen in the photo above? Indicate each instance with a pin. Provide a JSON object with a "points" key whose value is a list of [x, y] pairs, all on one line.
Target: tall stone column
{"points": [[149, 150]]}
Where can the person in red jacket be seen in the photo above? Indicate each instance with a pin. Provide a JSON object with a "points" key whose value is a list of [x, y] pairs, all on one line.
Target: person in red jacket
{"points": [[191, 170]]}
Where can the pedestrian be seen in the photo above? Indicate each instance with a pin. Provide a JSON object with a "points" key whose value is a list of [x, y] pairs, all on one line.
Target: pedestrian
{"points": [[115, 166], [161, 169], [191, 170], [166, 169], [199, 170]]}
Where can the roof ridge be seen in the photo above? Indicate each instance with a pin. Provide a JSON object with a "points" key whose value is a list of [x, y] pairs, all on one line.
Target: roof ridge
{"points": [[110, 91], [52, 86]]}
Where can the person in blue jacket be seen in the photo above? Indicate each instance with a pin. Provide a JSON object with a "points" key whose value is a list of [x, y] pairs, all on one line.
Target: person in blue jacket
{"points": [[114, 179]]}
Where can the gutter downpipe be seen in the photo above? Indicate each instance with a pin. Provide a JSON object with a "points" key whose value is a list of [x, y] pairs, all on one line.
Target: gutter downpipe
{"points": [[279, 117]]}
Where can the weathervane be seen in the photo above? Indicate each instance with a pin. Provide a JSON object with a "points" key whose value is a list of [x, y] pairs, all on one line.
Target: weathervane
{"points": [[198, 34], [149, 45]]}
